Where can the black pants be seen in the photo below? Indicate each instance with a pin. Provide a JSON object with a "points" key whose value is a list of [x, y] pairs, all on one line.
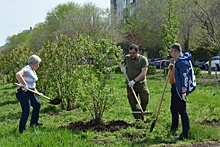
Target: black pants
{"points": [[26, 100], [142, 91], [177, 107]]}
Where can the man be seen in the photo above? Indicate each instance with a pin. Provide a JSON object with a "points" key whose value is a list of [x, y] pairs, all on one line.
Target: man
{"points": [[135, 68], [183, 82]]}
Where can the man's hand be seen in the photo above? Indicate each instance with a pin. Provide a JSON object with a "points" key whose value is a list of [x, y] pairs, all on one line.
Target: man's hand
{"points": [[24, 87], [131, 83], [123, 69], [170, 66], [40, 95]]}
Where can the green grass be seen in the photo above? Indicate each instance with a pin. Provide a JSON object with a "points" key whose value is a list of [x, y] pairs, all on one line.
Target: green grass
{"points": [[202, 105]]}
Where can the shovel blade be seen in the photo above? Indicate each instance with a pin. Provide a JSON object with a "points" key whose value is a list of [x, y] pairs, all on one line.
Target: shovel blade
{"points": [[145, 112], [153, 124], [55, 101]]}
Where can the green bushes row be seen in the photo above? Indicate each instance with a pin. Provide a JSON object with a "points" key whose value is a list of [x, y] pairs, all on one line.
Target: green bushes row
{"points": [[197, 71], [151, 70]]}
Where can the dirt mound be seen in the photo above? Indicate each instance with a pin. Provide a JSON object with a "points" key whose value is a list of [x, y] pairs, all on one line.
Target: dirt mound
{"points": [[207, 144], [212, 122], [110, 126]]}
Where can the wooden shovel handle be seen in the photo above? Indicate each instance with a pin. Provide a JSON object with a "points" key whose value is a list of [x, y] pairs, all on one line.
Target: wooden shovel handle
{"points": [[132, 89], [34, 92], [162, 96]]}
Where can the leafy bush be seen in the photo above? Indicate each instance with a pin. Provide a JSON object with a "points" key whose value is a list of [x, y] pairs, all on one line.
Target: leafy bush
{"points": [[117, 69], [197, 71], [12, 62], [67, 73], [151, 70]]}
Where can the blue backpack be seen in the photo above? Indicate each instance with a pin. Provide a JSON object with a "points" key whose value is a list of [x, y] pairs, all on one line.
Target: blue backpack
{"points": [[192, 80]]}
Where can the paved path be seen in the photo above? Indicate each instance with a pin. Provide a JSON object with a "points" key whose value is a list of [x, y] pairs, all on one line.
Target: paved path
{"points": [[213, 72]]}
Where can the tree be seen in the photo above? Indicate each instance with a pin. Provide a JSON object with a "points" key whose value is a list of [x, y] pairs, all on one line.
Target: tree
{"points": [[70, 19], [210, 22], [74, 20], [170, 30], [20, 40], [144, 24]]}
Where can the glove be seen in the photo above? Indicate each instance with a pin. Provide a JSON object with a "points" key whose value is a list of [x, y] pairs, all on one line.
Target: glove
{"points": [[170, 66], [40, 95], [184, 96], [123, 69], [131, 83], [23, 87]]}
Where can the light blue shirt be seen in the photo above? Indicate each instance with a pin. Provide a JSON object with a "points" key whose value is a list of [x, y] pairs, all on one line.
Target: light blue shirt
{"points": [[30, 76]]}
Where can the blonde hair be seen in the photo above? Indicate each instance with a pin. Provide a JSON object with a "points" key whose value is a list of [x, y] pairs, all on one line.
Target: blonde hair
{"points": [[176, 46]]}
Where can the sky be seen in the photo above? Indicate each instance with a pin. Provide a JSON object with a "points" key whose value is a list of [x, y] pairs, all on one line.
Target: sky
{"points": [[19, 15]]}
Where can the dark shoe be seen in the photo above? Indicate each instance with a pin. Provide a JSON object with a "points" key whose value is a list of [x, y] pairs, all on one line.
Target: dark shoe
{"points": [[21, 131], [182, 136], [39, 124]]}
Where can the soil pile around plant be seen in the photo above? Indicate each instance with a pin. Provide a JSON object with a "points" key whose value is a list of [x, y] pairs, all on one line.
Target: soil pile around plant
{"points": [[110, 126]]}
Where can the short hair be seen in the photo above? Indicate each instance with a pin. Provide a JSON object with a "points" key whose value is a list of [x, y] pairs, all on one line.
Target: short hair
{"points": [[176, 46], [133, 46], [34, 59]]}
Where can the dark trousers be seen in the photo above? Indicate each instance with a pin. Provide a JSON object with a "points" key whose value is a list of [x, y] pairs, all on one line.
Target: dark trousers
{"points": [[26, 100], [142, 91], [177, 107]]}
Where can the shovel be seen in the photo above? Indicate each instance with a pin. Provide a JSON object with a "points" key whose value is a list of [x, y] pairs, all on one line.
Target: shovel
{"points": [[142, 112], [158, 111], [55, 101]]}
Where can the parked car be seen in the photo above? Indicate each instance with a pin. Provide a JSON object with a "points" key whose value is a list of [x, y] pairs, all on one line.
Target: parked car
{"points": [[165, 63], [152, 62], [215, 62], [200, 63], [162, 63]]}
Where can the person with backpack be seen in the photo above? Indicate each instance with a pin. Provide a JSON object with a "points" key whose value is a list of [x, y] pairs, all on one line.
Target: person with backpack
{"points": [[183, 82]]}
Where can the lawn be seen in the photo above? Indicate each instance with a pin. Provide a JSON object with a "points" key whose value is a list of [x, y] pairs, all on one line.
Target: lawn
{"points": [[203, 108]]}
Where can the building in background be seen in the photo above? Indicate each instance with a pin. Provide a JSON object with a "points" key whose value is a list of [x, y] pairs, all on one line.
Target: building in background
{"points": [[119, 8]]}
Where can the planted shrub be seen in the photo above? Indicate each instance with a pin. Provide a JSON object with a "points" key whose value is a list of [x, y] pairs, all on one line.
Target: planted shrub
{"points": [[67, 73]]}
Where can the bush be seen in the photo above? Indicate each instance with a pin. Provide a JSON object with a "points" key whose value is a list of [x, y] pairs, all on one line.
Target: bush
{"points": [[117, 69], [151, 70], [197, 71]]}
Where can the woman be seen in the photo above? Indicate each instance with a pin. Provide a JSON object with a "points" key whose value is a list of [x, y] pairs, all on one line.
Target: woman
{"points": [[27, 78]]}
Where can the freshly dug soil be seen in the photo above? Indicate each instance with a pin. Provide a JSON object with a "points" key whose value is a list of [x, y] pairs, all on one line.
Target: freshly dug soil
{"points": [[116, 125], [110, 126]]}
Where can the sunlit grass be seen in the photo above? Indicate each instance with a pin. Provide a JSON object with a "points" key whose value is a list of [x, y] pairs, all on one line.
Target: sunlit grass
{"points": [[202, 105]]}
